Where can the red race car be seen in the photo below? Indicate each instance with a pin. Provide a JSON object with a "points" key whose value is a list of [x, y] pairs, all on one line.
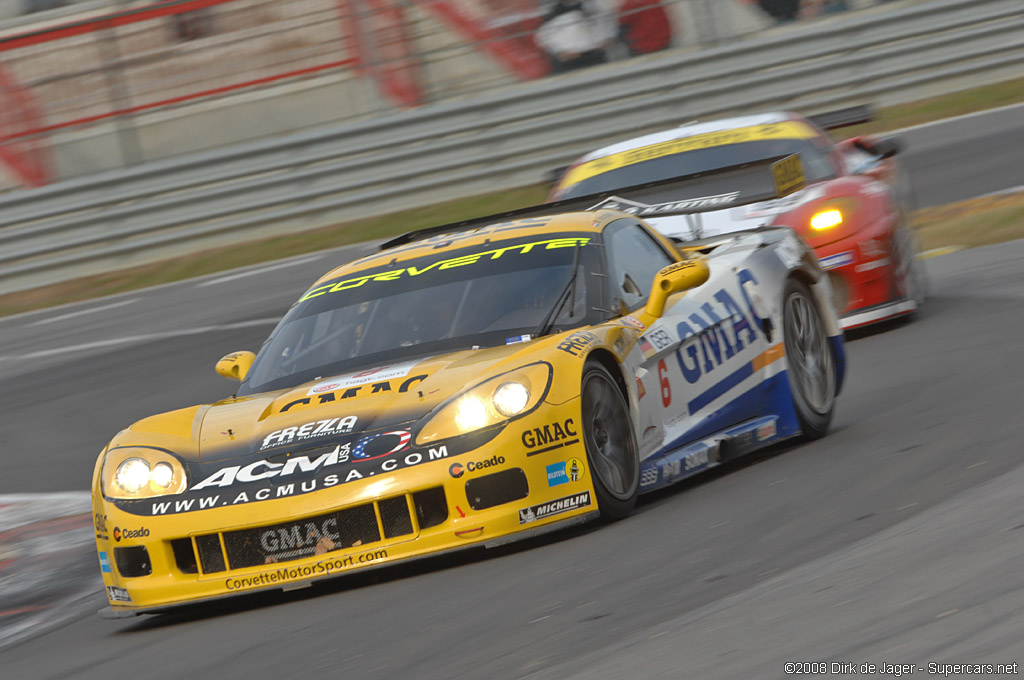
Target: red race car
{"points": [[850, 201]]}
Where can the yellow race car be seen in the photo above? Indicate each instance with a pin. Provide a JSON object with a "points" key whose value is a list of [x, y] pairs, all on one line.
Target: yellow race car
{"points": [[467, 386]]}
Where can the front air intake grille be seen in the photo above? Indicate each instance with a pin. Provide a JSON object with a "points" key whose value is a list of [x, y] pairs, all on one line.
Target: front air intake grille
{"points": [[211, 557], [431, 507], [394, 516], [133, 561], [294, 540], [501, 487], [185, 556]]}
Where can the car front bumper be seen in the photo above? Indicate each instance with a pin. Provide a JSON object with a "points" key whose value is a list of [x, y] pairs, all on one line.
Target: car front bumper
{"points": [[149, 563]]}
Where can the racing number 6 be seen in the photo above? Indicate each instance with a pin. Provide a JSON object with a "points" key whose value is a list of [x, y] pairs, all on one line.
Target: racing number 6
{"points": [[666, 387]]}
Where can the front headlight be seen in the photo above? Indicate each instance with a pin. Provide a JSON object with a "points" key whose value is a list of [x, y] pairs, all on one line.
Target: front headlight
{"points": [[511, 398], [141, 472], [834, 213], [491, 402], [826, 219]]}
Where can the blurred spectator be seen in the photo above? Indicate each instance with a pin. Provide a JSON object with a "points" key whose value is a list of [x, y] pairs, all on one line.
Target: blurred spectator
{"points": [[196, 23], [511, 18], [576, 33], [514, 23], [781, 10], [814, 8], [43, 5], [644, 26]]}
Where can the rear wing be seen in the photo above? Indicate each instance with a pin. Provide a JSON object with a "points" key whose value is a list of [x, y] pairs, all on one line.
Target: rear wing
{"points": [[853, 115], [786, 175], [731, 186]]}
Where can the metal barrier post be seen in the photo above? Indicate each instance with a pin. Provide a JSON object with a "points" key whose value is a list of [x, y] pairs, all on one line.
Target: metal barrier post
{"points": [[127, 134]]}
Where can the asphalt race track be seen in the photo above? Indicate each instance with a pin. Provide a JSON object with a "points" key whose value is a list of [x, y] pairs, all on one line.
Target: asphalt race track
{"points": [[897, 539]]}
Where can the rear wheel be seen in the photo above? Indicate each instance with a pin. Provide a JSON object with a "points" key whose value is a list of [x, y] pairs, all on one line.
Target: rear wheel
{"points": [[610, 443], [812, 366]]}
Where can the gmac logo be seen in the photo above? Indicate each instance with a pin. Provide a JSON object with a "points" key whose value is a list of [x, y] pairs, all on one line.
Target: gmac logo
{"points": [[707, 347], [301, 539], [549, 434]]}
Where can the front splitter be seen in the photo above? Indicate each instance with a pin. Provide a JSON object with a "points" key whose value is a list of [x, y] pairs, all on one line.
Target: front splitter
{"points": [[111, 612]]}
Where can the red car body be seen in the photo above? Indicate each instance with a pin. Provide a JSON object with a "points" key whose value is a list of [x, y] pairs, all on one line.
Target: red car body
{"points": [[868, 251]]}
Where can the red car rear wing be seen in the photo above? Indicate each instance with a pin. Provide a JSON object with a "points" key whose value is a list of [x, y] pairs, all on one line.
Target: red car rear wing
{"points": [[717, 189]]}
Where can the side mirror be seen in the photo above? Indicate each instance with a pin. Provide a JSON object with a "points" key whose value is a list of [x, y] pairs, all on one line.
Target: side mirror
{"points": [[674, 279], [887, 147], [552, 176], [235, 366]]}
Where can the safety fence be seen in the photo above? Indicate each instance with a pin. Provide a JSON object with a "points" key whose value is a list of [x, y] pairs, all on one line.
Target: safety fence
{"points": [[147, 77], [120, 64], [505, 139]]}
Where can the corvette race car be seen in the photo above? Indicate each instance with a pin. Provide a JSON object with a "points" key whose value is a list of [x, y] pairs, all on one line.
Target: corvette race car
{"points": [[464, 387], [852, 210]]}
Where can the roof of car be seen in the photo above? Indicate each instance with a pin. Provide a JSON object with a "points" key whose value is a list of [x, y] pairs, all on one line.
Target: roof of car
{"points": [[441, 241], [688, 130]]}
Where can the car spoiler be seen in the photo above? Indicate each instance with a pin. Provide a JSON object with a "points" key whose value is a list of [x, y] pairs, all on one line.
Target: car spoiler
{"points": [[853, 115], [741, 184]]}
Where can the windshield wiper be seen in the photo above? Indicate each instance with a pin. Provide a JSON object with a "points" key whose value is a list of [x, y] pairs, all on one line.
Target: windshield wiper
{"points": [[569, 292]]}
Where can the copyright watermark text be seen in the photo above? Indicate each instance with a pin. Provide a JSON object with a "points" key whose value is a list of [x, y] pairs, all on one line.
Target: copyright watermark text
{"points": [[898, 670]]}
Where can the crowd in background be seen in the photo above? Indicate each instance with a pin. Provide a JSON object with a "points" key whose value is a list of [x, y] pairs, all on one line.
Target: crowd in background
{"points": [[791, 10], [578, 33]]}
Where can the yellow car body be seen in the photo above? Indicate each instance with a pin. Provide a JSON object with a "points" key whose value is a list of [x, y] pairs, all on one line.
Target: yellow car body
{"points": [[386, 462]]}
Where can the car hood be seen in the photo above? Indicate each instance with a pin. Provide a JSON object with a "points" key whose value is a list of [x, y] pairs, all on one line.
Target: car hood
{"points": [[329, 410]]}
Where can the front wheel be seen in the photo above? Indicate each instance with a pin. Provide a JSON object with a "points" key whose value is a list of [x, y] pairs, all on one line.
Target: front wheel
{"points": [[812, 366], [610, 443]]}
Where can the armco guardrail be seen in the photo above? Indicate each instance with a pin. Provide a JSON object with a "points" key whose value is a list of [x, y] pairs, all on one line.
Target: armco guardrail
{"points": [[432, 154]]}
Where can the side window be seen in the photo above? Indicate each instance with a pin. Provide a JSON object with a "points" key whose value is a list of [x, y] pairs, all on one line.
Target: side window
{"points": [[633, 260], [819, 162]]}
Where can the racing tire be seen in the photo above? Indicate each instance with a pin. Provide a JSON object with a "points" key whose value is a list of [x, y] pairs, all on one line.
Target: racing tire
{"points": [[612, 452], [812, 367]]}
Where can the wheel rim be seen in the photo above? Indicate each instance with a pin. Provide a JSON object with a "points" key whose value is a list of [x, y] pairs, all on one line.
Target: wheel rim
{"points": [[608, 436], [810, 359]]}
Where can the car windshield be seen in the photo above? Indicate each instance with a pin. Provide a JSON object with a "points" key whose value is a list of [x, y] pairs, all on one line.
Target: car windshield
{"points": [[480, 296], [816, 165]]}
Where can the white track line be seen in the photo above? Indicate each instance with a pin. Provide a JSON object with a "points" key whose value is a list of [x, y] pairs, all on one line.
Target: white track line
{"points": [[1001, 192], [255, 272], [171, 284], [964, 116], [83, 312], [147, 337]]}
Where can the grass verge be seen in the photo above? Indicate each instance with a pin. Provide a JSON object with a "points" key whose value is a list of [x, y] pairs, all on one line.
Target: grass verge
{"points": [[937, 108], [991, 220], [977, 222]]}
